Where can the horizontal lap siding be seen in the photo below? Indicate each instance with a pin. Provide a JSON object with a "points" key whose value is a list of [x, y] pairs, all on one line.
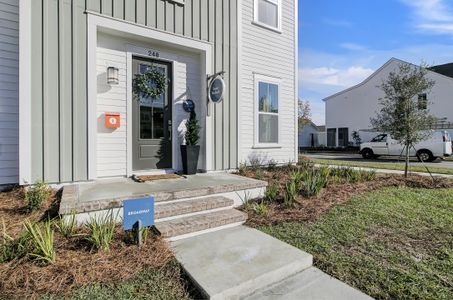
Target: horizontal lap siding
{"points": [[59, 86], [111, 143], [9, 91], [271, 54]]}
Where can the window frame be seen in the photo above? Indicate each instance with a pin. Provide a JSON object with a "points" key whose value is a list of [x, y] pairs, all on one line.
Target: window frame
{"points": [[277, 29], [422, 101], [259, 78]]}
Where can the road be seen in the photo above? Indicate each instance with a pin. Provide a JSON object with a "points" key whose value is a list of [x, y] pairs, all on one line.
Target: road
{"points": [[358, 158]]}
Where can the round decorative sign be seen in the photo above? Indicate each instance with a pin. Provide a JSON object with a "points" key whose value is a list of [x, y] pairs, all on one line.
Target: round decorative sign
{"points": [[216, 89], [188, 105]]}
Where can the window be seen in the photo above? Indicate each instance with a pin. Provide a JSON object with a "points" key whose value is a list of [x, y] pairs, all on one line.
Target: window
{"points": [[331, 137], [380, 138], [267, 91], [268, 13], [422, 102]]}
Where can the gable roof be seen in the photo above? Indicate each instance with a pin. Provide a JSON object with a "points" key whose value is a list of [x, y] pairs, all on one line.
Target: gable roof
{"points": [[392, 60], [446, 69]]}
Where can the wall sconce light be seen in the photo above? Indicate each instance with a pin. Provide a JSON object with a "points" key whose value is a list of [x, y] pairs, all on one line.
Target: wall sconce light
{"points": [[112, 75]]}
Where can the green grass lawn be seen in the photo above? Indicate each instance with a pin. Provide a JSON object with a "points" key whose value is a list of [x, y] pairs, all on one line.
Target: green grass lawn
{"points": [[394, 243], [387, 166]]}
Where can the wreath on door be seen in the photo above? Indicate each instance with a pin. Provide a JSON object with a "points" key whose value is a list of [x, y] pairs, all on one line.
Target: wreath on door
{"points": [[143, 88]]}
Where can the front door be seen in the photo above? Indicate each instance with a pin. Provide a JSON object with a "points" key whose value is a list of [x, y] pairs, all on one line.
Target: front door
{"points": [[151, 131]]}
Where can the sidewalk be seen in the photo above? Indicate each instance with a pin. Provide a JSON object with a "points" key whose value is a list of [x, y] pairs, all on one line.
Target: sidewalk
{"points": [[385, 171], [244, 263]]}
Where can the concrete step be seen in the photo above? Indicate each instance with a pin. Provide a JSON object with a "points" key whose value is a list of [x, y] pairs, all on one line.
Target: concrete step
{"points": [[166, 211], [236, 262], [194, 225]]}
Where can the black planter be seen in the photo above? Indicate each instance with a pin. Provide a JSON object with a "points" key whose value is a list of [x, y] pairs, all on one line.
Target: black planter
{"points": [[189, 155]]}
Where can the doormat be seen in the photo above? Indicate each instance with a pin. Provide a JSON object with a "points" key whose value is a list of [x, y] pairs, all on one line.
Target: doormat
{"points": [[144, 178]]}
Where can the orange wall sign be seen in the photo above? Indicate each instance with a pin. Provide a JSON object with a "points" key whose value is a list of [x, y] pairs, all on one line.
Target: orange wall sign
{"points": [[112, 120]]}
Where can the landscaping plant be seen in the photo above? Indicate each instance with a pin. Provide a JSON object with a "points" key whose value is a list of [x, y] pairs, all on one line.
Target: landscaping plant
{"points": [[36, 195], [271, 192], [314, 181], [401, 115], [291, 192], [260, 208], [41, 241], [66, 226], [101, 230]]}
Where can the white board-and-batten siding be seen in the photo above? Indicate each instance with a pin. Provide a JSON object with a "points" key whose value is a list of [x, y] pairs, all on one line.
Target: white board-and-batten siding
{"points": [[267, 53], [111, 144], [9, 91]]}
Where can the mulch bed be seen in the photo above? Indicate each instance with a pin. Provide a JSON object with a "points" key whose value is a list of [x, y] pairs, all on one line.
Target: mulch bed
{"points": [[310, 209], [76, 263]]}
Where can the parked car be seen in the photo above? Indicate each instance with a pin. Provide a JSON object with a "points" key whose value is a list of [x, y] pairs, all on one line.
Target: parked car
{"points": [[437, 146]]}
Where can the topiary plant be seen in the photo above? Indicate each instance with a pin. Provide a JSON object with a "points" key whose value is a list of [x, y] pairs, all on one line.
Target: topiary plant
{"points": [[192, 130]]}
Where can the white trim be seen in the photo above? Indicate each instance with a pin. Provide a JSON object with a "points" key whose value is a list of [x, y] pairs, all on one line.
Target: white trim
{"points": [[296, 80], [92, 97], [25, 92], [279, 4], [271, 80], [96, 21], [239, 86]]}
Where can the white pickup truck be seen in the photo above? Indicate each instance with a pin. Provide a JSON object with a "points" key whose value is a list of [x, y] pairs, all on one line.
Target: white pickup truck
{"points": [[437, 146]]}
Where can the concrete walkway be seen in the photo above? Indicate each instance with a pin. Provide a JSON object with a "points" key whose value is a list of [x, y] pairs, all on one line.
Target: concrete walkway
{"points": [[244, 263], [385, 171]]}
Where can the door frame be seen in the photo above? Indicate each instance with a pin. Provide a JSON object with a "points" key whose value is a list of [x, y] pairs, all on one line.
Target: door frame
{"points": [[170, 98], [102, 23], [140, 52]]}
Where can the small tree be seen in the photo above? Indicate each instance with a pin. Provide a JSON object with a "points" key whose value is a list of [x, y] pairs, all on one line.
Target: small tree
{"points": [[192, 130], [400, 115], [304, 112]]}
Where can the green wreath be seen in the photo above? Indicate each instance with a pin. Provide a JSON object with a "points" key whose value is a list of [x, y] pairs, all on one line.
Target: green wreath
{"points": [[142, 86]]}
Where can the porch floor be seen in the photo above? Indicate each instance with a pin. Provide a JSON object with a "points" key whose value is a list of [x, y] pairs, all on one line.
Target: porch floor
{"points": [[104, 194]]}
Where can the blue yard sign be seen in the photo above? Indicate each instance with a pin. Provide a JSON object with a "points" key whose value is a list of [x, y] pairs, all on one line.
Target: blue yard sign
{"points": [[138, 209]]}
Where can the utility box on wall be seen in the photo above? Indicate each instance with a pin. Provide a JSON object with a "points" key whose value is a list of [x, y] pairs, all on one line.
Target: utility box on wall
{"points": [[112, 120]]}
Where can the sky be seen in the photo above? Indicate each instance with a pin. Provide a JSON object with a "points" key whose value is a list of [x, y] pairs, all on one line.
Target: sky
{"points": [[342, 42]]}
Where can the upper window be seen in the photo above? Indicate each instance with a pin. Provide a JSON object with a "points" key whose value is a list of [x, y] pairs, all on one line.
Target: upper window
{"points": [[267, 111], [268, 13], [422, 102]]}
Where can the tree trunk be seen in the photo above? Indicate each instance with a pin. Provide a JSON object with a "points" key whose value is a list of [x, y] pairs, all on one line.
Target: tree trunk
{"points": [[406, 166]]}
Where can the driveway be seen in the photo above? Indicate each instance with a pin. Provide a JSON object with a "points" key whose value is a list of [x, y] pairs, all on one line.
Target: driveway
{"points": [[382, 159]]}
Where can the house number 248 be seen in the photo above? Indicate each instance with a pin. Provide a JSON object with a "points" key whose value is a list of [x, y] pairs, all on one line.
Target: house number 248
{"points": [[153, 53]]}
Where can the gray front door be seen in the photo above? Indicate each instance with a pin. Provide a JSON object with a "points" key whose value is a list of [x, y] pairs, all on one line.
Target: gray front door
{"points": [[151, 131]]}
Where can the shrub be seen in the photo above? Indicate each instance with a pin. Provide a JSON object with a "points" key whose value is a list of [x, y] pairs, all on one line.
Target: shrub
{"points": [[41, 239], [271, 164], [242, 168], [101, 230], [255, 162], [271, 192], [314, 181], [291, 192], [6, 249], [36, 195], [368, 175], [66, 226], [306, 164], [260, 208]]}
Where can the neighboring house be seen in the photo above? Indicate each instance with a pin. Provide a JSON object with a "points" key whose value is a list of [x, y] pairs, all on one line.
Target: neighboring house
{"points": [[311, 135], [352, 109], [66, 65]]}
